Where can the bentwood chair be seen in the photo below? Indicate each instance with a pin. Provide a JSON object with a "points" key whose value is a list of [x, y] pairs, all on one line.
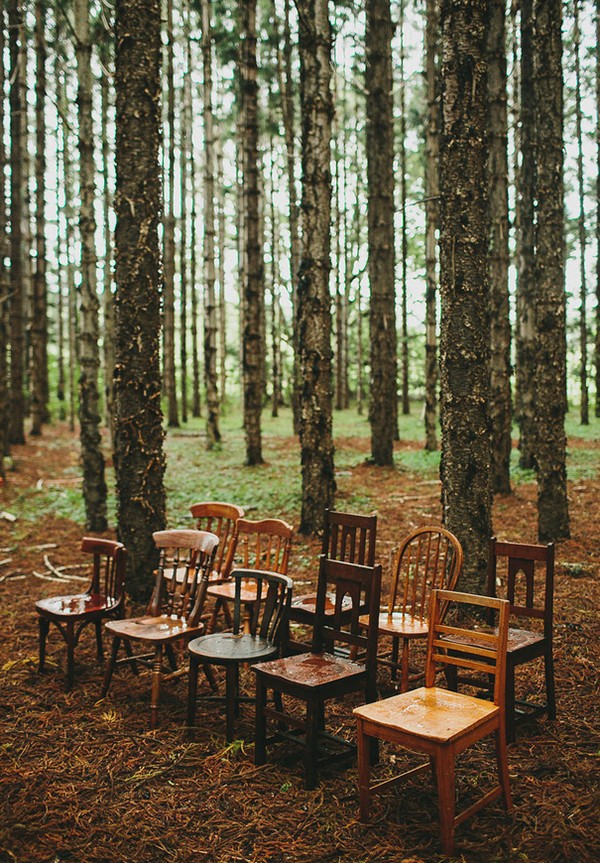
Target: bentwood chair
{"points": [[102, 600], [319, 676], [439, 723], [523, 574], [264, 640], [348, 537], [428, 558], [174, 613]]}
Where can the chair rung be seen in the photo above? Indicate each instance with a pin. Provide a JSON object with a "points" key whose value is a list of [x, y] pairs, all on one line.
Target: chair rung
{"points": [[385, 783], [478, 804], [278, 715]]}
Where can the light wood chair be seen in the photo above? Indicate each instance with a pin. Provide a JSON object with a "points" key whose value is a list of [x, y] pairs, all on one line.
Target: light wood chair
{"points": [[440, 723]]}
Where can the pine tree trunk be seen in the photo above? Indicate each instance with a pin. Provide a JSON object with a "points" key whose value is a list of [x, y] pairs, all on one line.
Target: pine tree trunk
{"points": [[170, 383], [597, 345], [4, 254], [252, 345], [380, 177], [60, 247], [185, 137], [583, 376], [94, 485], [39, 310], [465, 334], [139, 458], [431, 221], [221, 244], [107, 286], [17, 298], [314, 304], [213, 434], [525, 328], [550, 338], [405, 396], [500, 365]]}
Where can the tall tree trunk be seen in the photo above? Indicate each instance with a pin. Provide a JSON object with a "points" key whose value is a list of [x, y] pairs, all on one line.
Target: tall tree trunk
{"points": [[185, 137], [254, 275], [380, 176], [403, 230], [213, 434], [107, 277], [139, 458], [550, 338], [170, 383], [94, 485], [432, 217], [60, 246], [39, 310], [17, 298], [4, 254], [314, 302], [196, 404], [465, 335], [583, 376], [597, 344], [221, 243], [525, 328], [500, 366]]}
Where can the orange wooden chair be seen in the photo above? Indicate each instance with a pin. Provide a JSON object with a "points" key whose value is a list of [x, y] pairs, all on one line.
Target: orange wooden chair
{"points": [[220, 519], [174, 613], [440, 723], [428, 558], [102, 600]]}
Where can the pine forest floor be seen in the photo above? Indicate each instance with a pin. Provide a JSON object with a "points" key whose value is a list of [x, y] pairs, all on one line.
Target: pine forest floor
{"points": [[83, 780]]}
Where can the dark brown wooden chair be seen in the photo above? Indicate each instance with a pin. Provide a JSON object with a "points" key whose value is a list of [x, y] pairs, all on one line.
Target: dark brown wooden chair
{"points": [[103, 599], [348, 537], [316, 677], [186, 559], [264, 639], [440, 723], [428, 558], [523, 574], [263, 545]]}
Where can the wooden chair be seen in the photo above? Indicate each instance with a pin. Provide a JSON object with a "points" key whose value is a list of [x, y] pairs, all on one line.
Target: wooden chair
{"points": [[317, 677], [220, 519], [264, 640], [524, 574], [440, 723], [428, 558], [348, 537], [263, 545], [186, 560], [103, 599]]}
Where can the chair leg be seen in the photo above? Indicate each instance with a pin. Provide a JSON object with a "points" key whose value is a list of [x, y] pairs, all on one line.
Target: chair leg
{"points": [[171, 658], [509, 702], [211, 677], [129, 652], [99, 645], [394, 658], [444, 762], [231, 699], [192, 692], [364, 773], [404, 662], [502, 761], [260, 723], [114, 651], [550, 690], [70, 640], [313, 713], [44, 627], [155, 693]]}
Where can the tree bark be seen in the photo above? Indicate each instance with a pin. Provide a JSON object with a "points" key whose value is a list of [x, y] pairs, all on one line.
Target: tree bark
{"points": [[404, 375], [380, 178], [597, 344], [108, 306], [550, 338], [581, 227], [170, 383], [465, 333], [4, 254], [500, 366], [432, 217], [253, 283], [139, 458], [314, 302]]}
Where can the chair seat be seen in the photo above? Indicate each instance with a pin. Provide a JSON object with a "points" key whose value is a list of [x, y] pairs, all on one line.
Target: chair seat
{"points": [[161, 628], [518, 639], [436, 714], [313, 670], [401, 625], [227, 591], [220, 648], [308, 603], [76, 605]]}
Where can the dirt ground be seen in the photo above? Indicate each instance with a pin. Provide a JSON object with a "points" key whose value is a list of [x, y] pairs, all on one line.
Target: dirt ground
{"points": [[83, 780]]}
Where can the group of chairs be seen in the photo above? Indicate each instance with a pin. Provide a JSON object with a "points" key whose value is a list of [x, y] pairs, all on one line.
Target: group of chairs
{"points": [[242, 563]]}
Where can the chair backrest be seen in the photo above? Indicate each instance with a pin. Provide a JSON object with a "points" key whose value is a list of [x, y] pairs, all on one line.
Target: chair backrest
{"points": [[349, 537], [271, 610], [263, 544], [220, 519], [524, 574], [361, 585], [184, 566], [109, 565], [428, 558], [475, 649]]}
